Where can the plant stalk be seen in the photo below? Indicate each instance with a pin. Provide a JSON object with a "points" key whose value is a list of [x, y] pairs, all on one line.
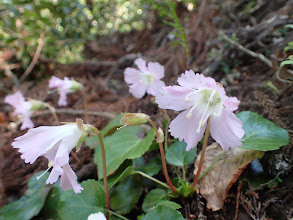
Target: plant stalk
{"points": [[213, 164], [105, 173], [85, 106], [151, 178], [172, 187], [205, 143]]}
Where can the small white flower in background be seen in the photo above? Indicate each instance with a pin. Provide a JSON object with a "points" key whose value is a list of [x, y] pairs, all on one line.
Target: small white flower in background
{"points": [[96, 216], [23, 109], [54, 143], [64, 87], [145, 79]]}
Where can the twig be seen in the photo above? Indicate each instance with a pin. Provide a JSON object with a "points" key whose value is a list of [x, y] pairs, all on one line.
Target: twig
{"points": [[76, 112], [279, 78], [35, 58], [245, 50], [11, 75], [238, 200]]}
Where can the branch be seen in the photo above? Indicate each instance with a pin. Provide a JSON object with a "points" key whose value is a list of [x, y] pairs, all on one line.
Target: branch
{"points": [[245, 50], [35, 58]]}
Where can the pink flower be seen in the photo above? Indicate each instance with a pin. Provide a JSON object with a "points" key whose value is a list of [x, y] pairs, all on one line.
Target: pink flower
{"points": [[199, 98], [145, 79], [54, 143], [65, 87], [23, 109]]}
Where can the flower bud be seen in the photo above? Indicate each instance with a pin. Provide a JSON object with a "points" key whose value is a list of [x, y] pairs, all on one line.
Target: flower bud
{"points": [[76, 86], [133, 119], [160, 137], [36, 105]]}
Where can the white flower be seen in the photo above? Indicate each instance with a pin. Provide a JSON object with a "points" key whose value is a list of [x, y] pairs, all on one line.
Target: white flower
{"points": [[96, 216], [65, 87], [54, 143]]}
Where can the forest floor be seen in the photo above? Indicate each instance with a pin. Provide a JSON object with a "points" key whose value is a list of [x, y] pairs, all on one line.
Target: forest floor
{"points": [[209, 33]]}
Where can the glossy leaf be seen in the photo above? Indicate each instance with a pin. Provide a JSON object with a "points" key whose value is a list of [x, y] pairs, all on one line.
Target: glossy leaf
{"points": [[122, 145], [152, 198], [176, 154], [127, 194], [119, 176], [152, 167], [163, 212], [172, 205], [31, 203], [79, 206], [261, 134]]}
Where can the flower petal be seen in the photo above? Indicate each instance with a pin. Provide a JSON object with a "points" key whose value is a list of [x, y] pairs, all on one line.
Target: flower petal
{"points": [[35, 142], [155, 88], [227, 130], [191, 80], [63, 97], [186, 129], [173, 97], [141, 64], [131, 75], [55, 82], [54, 175], [231, 103], [156, 69], [69, 180], [27, 123], [138, 90]]}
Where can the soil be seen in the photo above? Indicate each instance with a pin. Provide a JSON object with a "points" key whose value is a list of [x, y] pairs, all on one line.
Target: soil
{"points": [[257, 30]]}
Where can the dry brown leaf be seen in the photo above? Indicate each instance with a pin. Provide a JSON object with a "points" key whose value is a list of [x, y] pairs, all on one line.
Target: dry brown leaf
{"points": [[214, 186]]}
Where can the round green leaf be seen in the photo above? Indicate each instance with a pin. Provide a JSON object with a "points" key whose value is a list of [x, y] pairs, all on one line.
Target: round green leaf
{"points": [[176, 154], [261, 134], [123, 144], [127, 194], [152, 198], [31, 203], [170, 204], [79, 206], [163, 212]]}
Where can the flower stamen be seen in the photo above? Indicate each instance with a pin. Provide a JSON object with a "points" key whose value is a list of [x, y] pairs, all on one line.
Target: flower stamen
{"points": [[50, 164]]}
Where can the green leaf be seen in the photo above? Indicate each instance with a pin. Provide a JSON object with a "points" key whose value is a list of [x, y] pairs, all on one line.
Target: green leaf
{"points": [[113, 124], [111, 127], [151, 168], [163, 212], [52, 201], [119, 176], [152, 198], [122, 145], [79, 206], [177, 155], [261, 134], [286, 62], [127, 194], [289, 26], [172, 205], [31, 203]]}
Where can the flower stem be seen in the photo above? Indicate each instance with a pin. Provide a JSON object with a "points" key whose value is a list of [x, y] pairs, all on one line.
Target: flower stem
{"points": [[205, 143], [53, 112], [116, 214], [151, 178], [85, 106], [172, 187], [213, 164], [105, 173]]}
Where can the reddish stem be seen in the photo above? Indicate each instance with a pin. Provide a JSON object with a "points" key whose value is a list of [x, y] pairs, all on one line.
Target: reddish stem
{"points": [[172, 187], [205, 143], [105, 174]]}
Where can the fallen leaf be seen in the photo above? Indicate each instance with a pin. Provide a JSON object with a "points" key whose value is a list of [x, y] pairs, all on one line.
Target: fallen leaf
{"points": [[214, 186]]}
